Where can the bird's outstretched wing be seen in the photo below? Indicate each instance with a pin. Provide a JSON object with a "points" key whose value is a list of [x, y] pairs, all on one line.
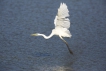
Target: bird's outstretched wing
{"points": [[61, 18]]}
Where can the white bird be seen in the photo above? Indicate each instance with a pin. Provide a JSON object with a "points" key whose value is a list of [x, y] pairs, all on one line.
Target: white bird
{"points": [[62, 25]]}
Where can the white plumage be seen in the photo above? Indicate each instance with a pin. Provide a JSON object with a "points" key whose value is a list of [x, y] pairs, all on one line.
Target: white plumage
{"points": [[61, 17], [62, 25]]}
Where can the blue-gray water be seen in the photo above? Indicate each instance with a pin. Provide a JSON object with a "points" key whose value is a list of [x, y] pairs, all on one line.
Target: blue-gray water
{"points": [[21, 52]]}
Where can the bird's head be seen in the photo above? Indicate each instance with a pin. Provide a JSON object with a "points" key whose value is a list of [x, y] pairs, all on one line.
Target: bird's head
{"points": [[36, 34]]}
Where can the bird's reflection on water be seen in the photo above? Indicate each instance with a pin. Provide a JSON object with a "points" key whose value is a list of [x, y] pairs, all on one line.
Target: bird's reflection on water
{"points": [[55, 68]]}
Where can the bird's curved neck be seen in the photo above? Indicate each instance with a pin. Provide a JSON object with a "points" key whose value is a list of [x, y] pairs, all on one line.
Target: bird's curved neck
{"points": [[46, 37]]}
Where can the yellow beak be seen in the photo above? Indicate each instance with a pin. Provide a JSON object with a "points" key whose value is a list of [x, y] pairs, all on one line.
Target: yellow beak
{"points": [[33, 34]]}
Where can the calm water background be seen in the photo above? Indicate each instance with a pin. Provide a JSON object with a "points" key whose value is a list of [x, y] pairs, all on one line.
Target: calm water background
{"points": [[21, 52]]}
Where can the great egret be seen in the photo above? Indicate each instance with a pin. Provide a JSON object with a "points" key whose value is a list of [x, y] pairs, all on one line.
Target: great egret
{"points": [[62, 25]]}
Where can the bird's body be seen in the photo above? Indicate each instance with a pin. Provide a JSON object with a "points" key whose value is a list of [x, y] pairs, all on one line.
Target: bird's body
{"points": [[62, 25], [61, 32]]}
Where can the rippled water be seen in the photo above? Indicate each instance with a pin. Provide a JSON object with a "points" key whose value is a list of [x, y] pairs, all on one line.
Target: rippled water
{"points": [[21, 52]]}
